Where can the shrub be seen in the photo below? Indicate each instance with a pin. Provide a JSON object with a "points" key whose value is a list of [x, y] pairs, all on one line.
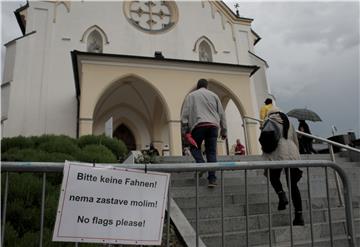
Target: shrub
{"points": [[24, 194], [88, 140], [19, 142], [97, 153], [38, 140], [58, 145], [117, 147], [28, 154]]}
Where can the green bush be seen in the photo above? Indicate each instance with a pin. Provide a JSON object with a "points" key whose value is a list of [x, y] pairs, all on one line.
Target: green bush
{"points": [[19, 142], [97, 153], [34, 155], [28, 154], [60, 146], [88, 140], [38, 140], [24, 191], [117, 147]]}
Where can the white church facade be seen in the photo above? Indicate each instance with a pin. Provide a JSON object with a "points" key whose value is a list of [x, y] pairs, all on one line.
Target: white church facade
{"points": [[82, 63]]}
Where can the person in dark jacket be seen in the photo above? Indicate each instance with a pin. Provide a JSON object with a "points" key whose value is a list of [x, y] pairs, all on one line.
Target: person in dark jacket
{"points": [[305, 143]]}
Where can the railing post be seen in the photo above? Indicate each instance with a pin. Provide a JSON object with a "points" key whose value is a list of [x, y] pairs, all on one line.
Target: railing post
{"points": [[329, 207], [222, 210], [338, 187], [247, 209], [288, 175], [197, 206], [4, 208], [42, 210], [269, 205], [310, 206], [168, 218]]}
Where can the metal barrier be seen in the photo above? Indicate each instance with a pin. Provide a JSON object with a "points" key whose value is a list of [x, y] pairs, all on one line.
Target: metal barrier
{"points": [[191, 167], [330, 143]]}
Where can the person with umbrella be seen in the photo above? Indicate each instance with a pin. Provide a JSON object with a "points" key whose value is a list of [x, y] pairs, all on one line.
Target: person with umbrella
{"points": [[302, 114], [305, 143]]}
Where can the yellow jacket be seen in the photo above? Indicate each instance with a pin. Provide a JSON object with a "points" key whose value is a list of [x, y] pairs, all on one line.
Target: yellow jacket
{"points": [[264, 110]]}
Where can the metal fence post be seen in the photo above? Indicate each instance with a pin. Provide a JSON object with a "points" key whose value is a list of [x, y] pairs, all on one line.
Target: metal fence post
{"points": [[287, 172], [168, 223], [338, 187], [310, 207], [4, 208], [247, 209], [42, 209], [269, 206], [222, 210], [329, 207], [197, 207]]}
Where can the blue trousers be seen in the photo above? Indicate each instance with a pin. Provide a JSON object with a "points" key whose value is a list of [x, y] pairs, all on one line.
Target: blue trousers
{"points": [[209, 135]]}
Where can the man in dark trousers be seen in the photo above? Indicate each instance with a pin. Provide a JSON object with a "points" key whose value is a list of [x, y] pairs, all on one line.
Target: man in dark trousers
{"points": [[201, 117]]}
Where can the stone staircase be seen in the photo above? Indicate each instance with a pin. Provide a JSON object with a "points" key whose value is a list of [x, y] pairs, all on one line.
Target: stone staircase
{"points": [[183, 193]]}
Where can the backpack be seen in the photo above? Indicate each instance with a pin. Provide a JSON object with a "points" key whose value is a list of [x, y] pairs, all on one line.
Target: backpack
{"points": [[269, 136]]}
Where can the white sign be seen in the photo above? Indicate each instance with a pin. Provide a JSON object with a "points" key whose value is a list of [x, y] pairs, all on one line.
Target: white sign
{"points": [[104, 204]]}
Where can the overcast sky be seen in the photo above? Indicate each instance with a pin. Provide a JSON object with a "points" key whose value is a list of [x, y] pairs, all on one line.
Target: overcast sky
{"points": [[312, 49]]}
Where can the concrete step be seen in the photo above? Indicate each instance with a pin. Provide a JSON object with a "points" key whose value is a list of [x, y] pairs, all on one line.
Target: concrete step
{"points": [[236, 210], [229, 158], [260, 221], [213, 200], [317, 189], [338, 241], [280, 235], [259, 173], [250, 174]]}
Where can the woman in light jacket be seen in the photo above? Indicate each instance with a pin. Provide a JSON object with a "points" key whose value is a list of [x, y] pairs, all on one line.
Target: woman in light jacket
{"points": [[287, 149]]}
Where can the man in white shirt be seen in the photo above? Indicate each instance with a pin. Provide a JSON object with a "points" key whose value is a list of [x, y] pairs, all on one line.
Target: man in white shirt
{"points": [[201, 117]]}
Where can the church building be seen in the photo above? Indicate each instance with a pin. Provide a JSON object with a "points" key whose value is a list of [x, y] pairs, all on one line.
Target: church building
{"points": [[90, 67]]}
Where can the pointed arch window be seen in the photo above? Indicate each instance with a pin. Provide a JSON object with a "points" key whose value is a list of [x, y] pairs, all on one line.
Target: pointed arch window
{"points": [[95, 38], [95, 42], [205, 53]]}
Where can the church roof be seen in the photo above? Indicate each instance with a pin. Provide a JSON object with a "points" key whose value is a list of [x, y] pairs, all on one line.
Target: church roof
{"points": [[75, 55]]}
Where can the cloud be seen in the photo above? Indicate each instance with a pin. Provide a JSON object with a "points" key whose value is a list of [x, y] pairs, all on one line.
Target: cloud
{"points": [[335, 25], [312, 49]]}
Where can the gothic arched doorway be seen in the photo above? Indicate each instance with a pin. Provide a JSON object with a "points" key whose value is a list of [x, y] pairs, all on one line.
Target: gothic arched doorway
{"points": [[123, 133]]}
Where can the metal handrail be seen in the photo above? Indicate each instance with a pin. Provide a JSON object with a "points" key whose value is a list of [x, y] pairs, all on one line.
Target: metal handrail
{"points": [[315, 137], [219, 166]]}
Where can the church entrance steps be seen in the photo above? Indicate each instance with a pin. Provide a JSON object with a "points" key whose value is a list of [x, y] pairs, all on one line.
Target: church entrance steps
{"points": [[236, 186], [183, 193], [280, 235], [213, 200], [238, 211], [339, 241], [260, 221]]}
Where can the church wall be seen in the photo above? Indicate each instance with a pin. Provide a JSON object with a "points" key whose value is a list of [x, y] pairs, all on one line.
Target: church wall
{"points": [[260, 83], [9, 61], [43, 75], [194, 21]]}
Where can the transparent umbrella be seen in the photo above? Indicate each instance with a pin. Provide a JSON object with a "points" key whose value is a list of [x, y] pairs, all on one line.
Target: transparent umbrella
{"points": [[304, 114]]}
